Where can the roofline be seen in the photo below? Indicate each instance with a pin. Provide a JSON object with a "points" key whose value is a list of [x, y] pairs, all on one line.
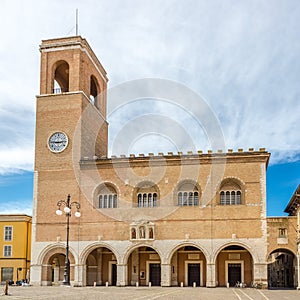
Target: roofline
{"points": [[294, 202]]}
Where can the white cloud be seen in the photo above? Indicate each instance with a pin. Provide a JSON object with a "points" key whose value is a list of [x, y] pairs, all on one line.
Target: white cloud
{"points": [[16, 159], [242, 57], [14, 207]]}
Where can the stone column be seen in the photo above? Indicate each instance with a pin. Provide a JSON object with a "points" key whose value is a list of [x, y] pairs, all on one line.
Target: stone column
{"points": [[121, 275], [298, 267], [56, 274], [261, 274], [79, 275], [36, 274], [210, 275], [174, 271], [99, 266], [165, 275], [135, 267]]}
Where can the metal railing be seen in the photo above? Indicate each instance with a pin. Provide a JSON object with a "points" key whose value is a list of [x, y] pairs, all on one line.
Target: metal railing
{"points": [[60, 90]]}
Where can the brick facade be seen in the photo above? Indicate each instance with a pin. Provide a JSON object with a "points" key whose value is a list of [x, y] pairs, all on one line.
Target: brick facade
{"points": [[177, 219]]}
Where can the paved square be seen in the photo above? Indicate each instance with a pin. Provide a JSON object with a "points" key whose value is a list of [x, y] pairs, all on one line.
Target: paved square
{"points": [[144, 293]]}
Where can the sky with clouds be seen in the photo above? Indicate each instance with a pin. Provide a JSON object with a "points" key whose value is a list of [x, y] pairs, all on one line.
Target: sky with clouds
{"points": [[241, 57]]}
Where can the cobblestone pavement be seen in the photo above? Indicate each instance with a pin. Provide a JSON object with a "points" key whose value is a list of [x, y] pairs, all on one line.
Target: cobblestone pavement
{"points": [[144, 293]]}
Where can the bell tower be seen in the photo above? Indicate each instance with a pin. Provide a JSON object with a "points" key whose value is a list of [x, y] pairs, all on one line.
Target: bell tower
{"points": [[72, 80], [70, 114]]}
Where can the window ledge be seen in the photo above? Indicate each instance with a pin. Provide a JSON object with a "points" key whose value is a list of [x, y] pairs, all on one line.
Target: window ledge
{"points": [[282, 241]]}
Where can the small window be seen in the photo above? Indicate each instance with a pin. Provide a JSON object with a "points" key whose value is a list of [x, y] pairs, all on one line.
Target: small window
{"points": [[282, 233], [7, 274], [7, 251], [133, 233], [8, 233]]}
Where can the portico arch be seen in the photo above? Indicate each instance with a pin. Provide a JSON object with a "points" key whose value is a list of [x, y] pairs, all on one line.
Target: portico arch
{"points": [[282, 268], [188, 265], [234, 263], [53, 263], [143, 265], [100, 261]]}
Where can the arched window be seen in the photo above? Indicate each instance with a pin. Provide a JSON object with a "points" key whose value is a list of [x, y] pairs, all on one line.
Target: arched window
{"points": [[147, 200], [107, 197], [61, 78], [147, 195], [230, 192], [94, 90], [188, 194]]}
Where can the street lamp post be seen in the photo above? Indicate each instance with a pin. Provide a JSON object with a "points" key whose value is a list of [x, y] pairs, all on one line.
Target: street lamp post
{"points": [[67, 209]]}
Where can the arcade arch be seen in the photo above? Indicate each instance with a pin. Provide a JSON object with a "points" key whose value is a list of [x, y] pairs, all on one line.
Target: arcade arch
{"points": [[281, 269], [144, 266], [101, 266], [234, 263], [53, 264], [188, 266]]}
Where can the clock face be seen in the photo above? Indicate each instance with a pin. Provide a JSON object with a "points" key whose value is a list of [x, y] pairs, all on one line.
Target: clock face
{"points": [[58, 142]]}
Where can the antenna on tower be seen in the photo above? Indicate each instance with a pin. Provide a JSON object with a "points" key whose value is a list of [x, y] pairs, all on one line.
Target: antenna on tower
{"points": [[76, 21]]}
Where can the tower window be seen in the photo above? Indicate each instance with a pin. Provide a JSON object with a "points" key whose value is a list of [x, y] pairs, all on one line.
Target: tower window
{"points": [[61, 78]]}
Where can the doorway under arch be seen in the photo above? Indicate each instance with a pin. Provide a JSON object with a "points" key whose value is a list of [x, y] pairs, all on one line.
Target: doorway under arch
{"points": [[188, 267], [101, 267], [144, 266], [281, 269], [234, 264]]}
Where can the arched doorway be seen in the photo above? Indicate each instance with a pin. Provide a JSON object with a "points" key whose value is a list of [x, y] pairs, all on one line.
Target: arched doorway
{"points": [[281, 269], [188, 267], [101, 267], [144, 266], [53, 266], [234, 264]]}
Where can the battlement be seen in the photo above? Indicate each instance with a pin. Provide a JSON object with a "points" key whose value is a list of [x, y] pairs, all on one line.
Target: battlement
{"points": [[251, 152]]}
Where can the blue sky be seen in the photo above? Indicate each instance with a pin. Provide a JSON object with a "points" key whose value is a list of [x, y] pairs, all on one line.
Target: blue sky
{"points": [[242, 57], [282, 180]]}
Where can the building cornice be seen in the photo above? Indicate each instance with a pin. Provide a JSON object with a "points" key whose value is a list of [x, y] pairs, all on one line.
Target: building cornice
{"points": [[177, 159], [15, 218]]}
